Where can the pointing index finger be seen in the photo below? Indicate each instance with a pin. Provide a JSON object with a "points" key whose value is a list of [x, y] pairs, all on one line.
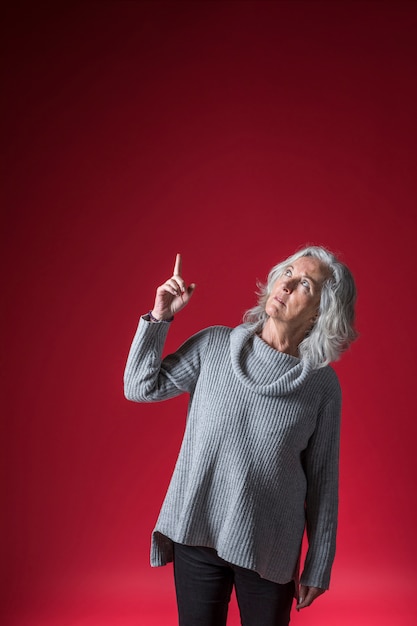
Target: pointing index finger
{"points": [[178, 265]]}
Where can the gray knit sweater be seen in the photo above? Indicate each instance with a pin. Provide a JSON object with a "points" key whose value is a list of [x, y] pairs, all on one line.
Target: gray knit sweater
{"points": [[259, 458]]}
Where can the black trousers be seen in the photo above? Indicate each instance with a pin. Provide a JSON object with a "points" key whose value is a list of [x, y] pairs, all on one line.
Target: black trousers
{"points": [[204, 584]]}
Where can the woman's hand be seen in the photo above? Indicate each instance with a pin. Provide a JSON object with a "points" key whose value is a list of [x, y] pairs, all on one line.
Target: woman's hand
{"points": [[173, 295], [307, 595]]}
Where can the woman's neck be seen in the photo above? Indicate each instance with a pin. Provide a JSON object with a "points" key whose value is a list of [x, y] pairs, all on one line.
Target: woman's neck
{"points": [[280, 337]]}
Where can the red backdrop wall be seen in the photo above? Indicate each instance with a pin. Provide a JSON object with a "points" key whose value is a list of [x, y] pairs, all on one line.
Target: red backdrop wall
{"points": [[233, 132]]}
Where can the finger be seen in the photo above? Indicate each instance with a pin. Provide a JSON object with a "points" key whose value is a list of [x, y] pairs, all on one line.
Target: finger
{"points": [[171, 286], [181, 283], [166, 288], [307, 596], [178, 265], [189, 291], [174, 283], [304, 602], [301, 596]]}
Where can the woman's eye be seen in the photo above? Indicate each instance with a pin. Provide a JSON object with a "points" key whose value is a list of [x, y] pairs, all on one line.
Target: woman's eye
{"points": [[287, 272], [306, 284]]}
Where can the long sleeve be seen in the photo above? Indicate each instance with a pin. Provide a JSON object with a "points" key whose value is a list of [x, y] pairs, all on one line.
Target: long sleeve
{"points": [[321, 464], [148, 378]]}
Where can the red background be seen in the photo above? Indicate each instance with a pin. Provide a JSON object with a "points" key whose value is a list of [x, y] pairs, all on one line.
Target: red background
{"points": [[234, 132]]}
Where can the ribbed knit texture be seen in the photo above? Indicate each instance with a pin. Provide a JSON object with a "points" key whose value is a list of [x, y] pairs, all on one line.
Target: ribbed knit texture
{"points": [[259, 454]]}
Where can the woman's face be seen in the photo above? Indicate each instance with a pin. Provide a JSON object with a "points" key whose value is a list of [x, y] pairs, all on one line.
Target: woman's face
{"points": [[295, 296]]}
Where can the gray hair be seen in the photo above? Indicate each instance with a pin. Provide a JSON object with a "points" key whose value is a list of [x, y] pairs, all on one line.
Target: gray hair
{"points": [[333, 330]]}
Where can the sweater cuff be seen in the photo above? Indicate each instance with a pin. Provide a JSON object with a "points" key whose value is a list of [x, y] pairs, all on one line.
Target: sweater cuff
{"points": [[148, 317], [155, 332]]}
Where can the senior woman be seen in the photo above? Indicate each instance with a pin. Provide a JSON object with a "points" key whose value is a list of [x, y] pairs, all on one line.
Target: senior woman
{"points": [[259, 458]]}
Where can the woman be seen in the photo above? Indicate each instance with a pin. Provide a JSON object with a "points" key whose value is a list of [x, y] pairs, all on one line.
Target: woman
{"points": [[259, 458]]}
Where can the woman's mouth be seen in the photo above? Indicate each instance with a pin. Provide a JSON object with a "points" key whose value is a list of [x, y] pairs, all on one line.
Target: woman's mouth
{"points": [[280, 301]]}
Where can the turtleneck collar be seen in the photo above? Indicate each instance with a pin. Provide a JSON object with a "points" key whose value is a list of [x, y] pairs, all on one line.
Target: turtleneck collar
{"points": [[263, 369]]}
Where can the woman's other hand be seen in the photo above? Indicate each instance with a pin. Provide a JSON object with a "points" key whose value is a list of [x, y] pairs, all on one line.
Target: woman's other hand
{"points": [[173, 295], [307, 595]]}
